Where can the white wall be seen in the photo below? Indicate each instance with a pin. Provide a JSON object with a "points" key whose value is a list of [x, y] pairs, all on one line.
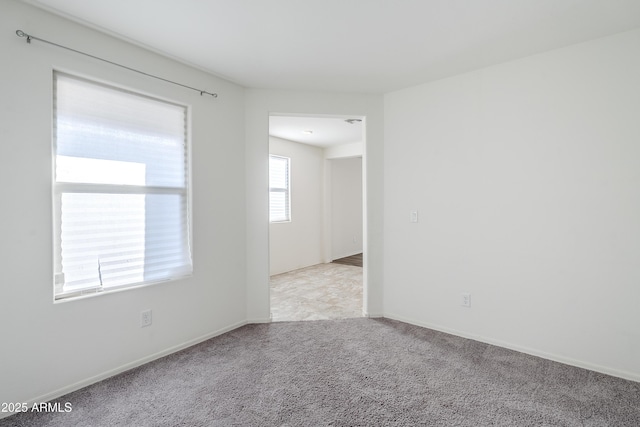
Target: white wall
{"points": [[527, 179], [353, 149], [526, 176], [346, 207], [299, 243], [47, 348], [259, 103]]}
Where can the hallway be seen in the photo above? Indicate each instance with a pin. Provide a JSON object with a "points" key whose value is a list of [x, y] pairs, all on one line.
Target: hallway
{"points": [[323, 291]]}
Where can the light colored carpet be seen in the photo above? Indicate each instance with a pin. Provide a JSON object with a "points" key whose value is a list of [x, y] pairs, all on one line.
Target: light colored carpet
{"points": [[319, 292], [353, 372]]}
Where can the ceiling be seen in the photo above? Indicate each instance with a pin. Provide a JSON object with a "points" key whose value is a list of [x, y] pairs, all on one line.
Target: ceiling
{"points": [[362, 46], [325, 131]]}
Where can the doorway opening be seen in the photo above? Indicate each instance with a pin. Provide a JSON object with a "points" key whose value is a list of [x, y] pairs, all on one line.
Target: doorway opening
{"points": [[316, 231]]}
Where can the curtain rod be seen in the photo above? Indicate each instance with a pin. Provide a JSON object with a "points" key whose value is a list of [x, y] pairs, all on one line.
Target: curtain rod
{"points": [[29, 37]]}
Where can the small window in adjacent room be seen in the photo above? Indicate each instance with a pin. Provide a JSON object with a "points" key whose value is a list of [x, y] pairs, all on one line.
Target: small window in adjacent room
{"points": [[120, 189], [279, 184]]}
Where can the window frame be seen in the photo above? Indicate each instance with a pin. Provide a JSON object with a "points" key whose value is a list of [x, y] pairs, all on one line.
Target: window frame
{"points": [[59, 188], [286, 190]]}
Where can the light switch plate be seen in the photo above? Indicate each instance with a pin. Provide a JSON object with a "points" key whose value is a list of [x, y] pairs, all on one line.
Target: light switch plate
{"points": [[465, 299]]}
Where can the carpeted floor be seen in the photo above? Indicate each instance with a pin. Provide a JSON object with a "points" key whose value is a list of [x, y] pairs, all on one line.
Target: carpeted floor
{"points": [[352, 372]]}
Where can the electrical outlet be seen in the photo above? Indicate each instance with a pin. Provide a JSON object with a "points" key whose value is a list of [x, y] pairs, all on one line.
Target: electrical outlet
{"points": [[465, 300], [145, 318]]}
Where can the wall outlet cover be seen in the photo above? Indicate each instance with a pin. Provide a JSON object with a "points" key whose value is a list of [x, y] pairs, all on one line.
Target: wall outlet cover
{"points": [[145, 318]]}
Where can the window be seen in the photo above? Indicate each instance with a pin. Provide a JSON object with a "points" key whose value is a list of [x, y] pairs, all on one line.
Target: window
{"points": [[279, 198], [120, 188]]}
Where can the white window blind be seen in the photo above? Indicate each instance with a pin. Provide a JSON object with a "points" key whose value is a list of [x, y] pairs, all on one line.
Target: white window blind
{"points": [[120, 188], [279, 194]]}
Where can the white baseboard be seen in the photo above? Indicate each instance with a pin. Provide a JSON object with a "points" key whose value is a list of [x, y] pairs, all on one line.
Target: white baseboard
{"points": [[259, 320], [110, 373], [549, 356], [372, 315], [288, 270]]}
